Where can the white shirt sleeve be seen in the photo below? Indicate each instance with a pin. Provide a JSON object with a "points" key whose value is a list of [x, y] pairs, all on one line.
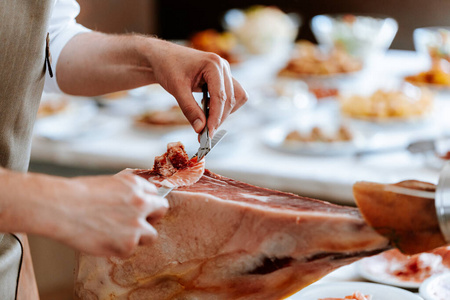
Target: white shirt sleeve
{"points": [[62, 28]]}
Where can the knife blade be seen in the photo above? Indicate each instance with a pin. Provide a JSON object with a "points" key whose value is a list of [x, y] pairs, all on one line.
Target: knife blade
{"points": [[205, 138]]}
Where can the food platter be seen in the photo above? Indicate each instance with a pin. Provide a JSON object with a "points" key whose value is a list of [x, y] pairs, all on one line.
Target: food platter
{"points": [[363, 141], [403, 106], [342, 289], [275, 138], [391, 124]]}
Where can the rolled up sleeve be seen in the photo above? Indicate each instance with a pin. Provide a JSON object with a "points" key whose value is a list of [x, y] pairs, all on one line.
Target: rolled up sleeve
{"points": [[62, 28]]}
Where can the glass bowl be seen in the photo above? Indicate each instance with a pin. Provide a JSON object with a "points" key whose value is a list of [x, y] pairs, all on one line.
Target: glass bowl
{"points": [[360, 35], [262, 29], [433, 42]]}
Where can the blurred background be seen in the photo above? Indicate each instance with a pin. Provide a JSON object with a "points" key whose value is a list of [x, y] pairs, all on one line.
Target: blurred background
{"points": [[179, 20]]}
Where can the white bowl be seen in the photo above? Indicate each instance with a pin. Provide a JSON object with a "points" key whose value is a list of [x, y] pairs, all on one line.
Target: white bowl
{"points": [[437, 37], [262, 29]]}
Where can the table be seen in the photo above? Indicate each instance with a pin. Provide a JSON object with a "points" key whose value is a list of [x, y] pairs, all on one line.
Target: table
{"points": [[245, 156]]}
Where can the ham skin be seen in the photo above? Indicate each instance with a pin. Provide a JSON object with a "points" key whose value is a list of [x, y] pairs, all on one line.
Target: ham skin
{"points": [[225, 239], [410, 223]]}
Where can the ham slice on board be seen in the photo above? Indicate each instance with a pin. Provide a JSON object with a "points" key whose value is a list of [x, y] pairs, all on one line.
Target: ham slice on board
{"points": [[225, 239]]}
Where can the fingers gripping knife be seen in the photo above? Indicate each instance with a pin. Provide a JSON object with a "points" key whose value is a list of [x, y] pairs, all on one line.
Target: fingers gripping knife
{"points": [[206, 143], [205, 139]]}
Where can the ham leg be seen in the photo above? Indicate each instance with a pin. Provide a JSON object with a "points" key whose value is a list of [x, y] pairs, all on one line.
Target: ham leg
{"points": [[225, 239]]}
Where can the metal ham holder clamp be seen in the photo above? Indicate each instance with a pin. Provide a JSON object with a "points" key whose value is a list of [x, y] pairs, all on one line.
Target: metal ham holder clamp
{"points": [[442, 201]]}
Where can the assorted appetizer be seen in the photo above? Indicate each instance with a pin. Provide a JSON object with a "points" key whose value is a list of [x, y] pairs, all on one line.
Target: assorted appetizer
{"points": [[317, 134], [389, 105], [309, 60]]}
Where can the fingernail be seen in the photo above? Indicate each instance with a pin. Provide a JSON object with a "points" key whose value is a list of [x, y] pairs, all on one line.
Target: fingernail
{"points": [[197, 125]]}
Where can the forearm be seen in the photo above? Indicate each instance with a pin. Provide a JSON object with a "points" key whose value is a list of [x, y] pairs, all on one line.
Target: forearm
{"points": [[26, 206], [100, 215], [94, 63]]}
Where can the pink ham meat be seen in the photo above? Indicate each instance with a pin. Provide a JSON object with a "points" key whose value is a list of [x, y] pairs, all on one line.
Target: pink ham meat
{"points": [[225, 239], [174, 168]]}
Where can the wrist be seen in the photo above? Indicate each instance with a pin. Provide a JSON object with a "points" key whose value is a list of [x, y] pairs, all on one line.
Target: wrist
{"points": [[32, 203], [148, 50]]}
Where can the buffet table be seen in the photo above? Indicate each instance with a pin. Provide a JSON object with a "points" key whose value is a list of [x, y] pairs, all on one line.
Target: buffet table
{"points": [[113, 143]]}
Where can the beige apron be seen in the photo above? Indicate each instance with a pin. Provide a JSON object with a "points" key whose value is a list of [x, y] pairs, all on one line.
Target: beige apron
{"points": [[23, 28]]}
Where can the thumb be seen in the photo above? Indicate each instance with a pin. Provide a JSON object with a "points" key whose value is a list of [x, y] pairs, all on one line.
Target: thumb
{"points": [[191, 110]]}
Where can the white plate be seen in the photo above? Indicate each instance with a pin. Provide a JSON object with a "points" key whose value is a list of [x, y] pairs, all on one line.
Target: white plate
{"points": [[342, 289], [159, 129], [436, 287], [389, 124], [274, 137]]}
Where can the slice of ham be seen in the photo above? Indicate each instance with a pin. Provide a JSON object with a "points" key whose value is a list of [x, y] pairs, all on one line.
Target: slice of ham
{"points": [[225, 239], [355, 296], [174, 168], [409, 222]]}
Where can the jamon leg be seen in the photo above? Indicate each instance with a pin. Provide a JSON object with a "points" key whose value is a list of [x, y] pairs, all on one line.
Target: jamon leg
{"points": [[224, 239], [409, 222]]}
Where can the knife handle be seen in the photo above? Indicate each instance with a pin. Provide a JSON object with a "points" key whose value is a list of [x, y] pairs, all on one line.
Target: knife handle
{"points": [[205, 100]]}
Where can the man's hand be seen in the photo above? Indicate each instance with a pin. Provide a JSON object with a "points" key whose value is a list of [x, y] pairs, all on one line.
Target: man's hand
{"points": [[182, 70], [98, 215], [94, 64], [109, 215]]}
